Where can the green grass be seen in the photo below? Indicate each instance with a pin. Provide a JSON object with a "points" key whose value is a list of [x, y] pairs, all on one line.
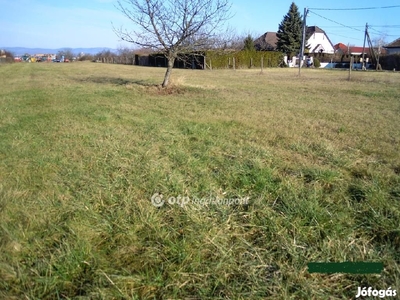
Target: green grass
{"points": [[84, 146]]}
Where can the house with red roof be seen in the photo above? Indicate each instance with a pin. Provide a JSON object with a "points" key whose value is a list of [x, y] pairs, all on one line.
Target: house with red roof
{"points": [[347, 50], [343, 49]]}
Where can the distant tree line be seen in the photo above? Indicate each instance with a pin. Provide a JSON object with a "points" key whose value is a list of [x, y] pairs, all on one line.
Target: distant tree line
{"points": [[66, 53], [123, 56]]}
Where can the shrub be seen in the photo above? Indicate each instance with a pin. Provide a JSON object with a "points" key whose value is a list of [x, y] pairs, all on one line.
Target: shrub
{"points": [[317, 63], [86, 57], [390, 62], [6, 56]]}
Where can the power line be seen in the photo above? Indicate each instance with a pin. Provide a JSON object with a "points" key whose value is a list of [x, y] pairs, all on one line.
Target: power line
{"points": [[376, 31], [363, 26], [386, 26], [353, 28], [358, 8], [340, 26], [379, 32], [347, 37]]}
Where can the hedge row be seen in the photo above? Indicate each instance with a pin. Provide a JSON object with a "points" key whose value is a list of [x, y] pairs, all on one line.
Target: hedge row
{"points": [[243, 59], [390, 62]]}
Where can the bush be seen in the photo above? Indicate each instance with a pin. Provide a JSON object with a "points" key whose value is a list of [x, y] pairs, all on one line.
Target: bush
{"points": [[390, 62], [6, 56], [317, 63], [86, 57]]}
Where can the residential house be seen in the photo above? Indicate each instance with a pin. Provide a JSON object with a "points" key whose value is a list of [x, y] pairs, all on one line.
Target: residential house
{"points": [[357, 51], [393, 47], [317, 42], [266, 42], [343, 49]]}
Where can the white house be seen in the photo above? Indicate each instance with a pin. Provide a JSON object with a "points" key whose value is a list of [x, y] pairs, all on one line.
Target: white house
{"points": [[318, 41]]}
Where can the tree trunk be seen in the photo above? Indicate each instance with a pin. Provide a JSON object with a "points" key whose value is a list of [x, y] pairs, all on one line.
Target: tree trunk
{"points": [[171, 61]]}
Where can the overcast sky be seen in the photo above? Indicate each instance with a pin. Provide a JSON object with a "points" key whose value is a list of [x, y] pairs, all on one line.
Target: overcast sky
{"points": [[88, 23]]}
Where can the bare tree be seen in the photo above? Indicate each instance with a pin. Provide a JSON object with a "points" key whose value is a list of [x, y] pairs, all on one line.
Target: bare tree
{"points": [[222, 41], [105, 56], [125, 55], [230, 40], [173, 27], [379, 42], [67, 53]]}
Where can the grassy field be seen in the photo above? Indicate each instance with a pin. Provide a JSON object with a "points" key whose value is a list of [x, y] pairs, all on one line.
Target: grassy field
{"points": [[84, 147]]}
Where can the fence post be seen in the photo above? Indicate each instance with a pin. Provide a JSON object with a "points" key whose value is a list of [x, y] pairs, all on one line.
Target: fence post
{"points": [[234, 66], [351, 66], [262, 63]]}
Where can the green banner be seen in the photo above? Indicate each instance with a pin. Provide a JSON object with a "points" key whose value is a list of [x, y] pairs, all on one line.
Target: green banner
{"points": [[346, 267]]}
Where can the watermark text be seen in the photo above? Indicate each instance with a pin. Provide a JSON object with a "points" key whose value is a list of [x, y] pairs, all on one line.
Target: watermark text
{"points": [[364, 292], [159, 200]]}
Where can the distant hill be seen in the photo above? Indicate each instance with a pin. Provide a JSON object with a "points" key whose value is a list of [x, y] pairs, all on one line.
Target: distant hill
{"points": [[22, 50]]}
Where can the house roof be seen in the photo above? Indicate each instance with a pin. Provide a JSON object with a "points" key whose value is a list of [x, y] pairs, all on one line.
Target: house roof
{"points": [[267, 40], [350, 49], [271, 38], [315, 29], [394, 44], [356, 50], [340, 46]]}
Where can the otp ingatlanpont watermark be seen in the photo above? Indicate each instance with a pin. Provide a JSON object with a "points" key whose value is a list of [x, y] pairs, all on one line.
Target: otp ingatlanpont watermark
{"points": [[159, 200]]}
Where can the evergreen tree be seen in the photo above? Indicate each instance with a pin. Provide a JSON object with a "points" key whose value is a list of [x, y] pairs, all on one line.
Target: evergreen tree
{"points": [[290, 31], [249, 43]]}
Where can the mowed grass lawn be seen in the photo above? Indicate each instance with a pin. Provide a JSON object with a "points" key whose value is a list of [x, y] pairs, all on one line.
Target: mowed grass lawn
{"points": [[84, 146]]}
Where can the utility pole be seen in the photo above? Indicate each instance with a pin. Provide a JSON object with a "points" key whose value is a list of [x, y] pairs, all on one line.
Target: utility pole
{"points": [[363, 55], [303, 38]]}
